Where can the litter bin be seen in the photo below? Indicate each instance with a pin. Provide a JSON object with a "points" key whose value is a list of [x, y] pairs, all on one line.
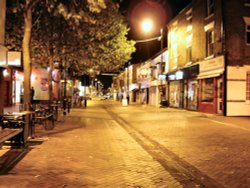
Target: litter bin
{"points": [[164, 103]]}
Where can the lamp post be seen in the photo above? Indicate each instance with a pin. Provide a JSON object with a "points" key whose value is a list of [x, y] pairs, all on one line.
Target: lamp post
{"points": [[147, 25]]}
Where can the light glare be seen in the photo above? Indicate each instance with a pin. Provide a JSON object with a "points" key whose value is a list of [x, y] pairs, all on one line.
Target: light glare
{"points": [[147, 25]]}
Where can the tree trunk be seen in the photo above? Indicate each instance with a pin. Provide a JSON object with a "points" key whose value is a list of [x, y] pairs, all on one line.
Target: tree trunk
{"points": [[26, 55], [2, 20], [2, 31]]}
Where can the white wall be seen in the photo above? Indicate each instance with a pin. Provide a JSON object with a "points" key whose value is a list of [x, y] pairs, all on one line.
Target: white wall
{"points": [[236, 91]]}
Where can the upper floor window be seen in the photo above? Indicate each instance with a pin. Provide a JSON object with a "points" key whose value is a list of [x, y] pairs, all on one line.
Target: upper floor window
{"points": [[189, 16], [189, 54], [210, 7], [210, 43], [248, 34], [173, 47], [247, 22], [189, 48]]}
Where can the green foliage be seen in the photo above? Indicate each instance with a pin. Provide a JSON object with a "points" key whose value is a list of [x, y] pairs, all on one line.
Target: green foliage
{"points": [[85, 34]]}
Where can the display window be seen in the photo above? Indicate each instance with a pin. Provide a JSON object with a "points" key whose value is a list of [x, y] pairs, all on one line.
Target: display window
{"points": [[192, 95], [174, 97], [207, 94]]}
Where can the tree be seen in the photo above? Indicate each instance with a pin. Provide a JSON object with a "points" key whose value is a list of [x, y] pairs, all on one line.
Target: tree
{"points": [[26, 7], [92, 36]]}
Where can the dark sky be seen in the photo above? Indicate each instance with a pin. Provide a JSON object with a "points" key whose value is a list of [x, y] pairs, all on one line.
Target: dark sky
{"points": [[161, 12]]}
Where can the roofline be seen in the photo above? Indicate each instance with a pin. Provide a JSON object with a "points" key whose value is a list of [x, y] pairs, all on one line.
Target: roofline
{"points": [[181, 12]]}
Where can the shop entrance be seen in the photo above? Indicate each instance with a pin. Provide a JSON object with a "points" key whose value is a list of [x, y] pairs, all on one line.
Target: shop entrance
{"points": [[220, 96]]}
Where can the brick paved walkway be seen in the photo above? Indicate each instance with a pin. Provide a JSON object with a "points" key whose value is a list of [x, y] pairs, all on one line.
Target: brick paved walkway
{"points": [[88, 150], [107, 145]]}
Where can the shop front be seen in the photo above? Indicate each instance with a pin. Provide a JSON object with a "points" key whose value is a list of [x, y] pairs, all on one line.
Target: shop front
{"points": [[144, 93], [210, 81], [176, 89], [153, 93], [191, 87]]}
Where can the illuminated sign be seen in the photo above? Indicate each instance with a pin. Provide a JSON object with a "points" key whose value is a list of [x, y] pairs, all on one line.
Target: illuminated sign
{"points": [[161, 77], [14, 59], [171, 77], [177, 76]]}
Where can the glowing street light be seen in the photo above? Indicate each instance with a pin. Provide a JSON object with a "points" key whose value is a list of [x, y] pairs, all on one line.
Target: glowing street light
{"points": [[147, 25]]}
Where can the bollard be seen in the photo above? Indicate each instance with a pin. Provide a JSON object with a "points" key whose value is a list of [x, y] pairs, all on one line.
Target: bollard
{"points": [[69, 104], [85, 102], [64, 106]]}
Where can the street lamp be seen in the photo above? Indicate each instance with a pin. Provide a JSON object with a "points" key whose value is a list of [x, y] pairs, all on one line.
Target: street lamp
{"points": [[147, 26]]}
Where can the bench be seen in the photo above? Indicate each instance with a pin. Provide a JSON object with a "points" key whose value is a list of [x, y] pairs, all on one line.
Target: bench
{"points": [[12, 130], [45, 117]]}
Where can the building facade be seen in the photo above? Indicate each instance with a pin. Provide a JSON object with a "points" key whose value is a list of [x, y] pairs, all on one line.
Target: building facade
{"points": [[209, 57]]}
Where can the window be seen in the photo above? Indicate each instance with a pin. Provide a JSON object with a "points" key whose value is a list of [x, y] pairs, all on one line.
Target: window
{"points": [[248, 34], [210, 7], [189, 54], [173, 38], [189, 48], [189, 16], [210, 43], [248, 86], [207, 90]]}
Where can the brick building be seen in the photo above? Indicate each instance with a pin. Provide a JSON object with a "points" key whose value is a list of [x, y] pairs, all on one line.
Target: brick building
{"points": [[209, 57]]}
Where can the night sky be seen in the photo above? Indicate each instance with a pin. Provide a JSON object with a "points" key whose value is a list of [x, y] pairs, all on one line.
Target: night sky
{"points": [[161, 12]]}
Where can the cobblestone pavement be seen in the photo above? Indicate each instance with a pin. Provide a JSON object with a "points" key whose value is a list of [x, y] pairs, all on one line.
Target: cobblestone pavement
{"points": [[107, 145]]}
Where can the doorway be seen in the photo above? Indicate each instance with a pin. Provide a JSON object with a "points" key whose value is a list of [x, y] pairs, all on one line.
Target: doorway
{"points": [[220, 96]]}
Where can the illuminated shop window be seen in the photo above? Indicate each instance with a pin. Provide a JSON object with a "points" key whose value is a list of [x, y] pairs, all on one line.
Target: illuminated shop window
{"points": [[207, 90], [248, 86]]}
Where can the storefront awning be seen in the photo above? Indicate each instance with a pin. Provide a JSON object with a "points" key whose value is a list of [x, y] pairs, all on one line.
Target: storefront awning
{"points": [[210, 74]]}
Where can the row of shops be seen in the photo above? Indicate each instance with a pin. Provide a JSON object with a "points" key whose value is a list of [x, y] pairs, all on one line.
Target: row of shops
{"points": [[197, 87], [13, 83]]}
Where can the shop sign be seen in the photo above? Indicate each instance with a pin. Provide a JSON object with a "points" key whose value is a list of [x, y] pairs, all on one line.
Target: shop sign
{"points": [[212, 64], [191, 72], [177, 76], [14, 58], [39, 80]]}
